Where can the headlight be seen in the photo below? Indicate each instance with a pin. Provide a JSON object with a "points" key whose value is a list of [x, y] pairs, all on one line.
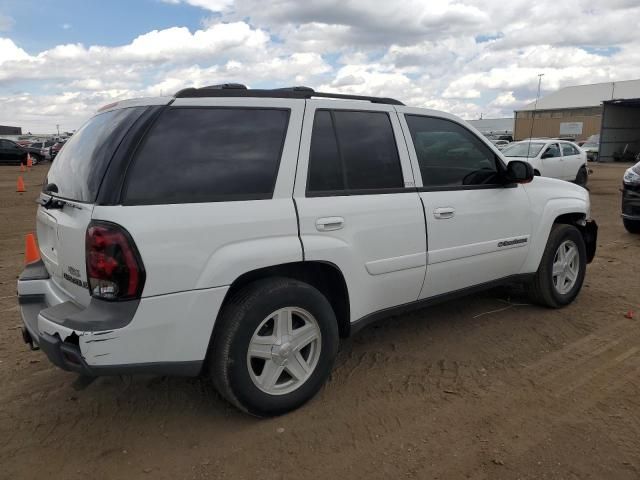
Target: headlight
{"points": [[632, 176]]}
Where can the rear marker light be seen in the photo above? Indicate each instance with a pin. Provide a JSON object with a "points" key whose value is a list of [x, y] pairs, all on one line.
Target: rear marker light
{"points": [[114, 267]]}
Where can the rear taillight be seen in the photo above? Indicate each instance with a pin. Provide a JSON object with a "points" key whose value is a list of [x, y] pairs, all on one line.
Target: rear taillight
{"points": [[114, 267]]}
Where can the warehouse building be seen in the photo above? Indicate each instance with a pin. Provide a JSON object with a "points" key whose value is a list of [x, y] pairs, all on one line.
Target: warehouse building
{"points": [[4, 130], [494, 126], [578, 112]]}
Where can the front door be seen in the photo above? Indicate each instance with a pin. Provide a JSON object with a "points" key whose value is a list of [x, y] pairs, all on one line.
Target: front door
{"points": [[477, 227], [357, 206]]}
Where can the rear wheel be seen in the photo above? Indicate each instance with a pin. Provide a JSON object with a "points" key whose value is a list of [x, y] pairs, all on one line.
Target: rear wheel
{"points": [[561, 272], [632, 226], [274, 346], [582, 177]]}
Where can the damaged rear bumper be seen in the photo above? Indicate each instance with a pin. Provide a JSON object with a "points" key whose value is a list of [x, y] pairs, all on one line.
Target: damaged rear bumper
{"points": [[148, 336]]}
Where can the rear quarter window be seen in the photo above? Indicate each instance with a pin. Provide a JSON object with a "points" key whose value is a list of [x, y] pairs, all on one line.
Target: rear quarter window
{"points": [[204, 154]]}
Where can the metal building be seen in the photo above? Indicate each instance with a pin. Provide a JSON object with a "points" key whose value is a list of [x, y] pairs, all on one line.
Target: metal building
{"points": [[4, 130], [573, 112], [494, 125]]}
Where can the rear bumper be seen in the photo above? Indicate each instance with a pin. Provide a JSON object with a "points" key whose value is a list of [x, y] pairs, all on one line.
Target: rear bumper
{"points": [[166, 335]]}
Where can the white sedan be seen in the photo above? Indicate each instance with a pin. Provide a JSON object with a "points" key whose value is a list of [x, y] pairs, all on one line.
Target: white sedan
{"points": [[551, 158]]}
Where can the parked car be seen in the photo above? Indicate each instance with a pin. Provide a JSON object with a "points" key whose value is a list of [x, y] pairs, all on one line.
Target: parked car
{"points": [[39, 150], [552, 158], [316, 214], [500, 144], [592, 147], [11, 153], [55, 148], [631, 199]]}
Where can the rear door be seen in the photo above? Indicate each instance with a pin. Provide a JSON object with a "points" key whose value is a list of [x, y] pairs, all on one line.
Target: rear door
{"points": [[572, 161], [356, 203], [552, 164], [478, 227], [9, 152]]}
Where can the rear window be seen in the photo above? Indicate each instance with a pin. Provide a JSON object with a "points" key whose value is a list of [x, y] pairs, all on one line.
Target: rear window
{"points": [[208, 154], [78, 169]]}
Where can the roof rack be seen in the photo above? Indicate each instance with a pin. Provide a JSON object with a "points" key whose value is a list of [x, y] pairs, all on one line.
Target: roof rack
{"points": [[239, 90]]}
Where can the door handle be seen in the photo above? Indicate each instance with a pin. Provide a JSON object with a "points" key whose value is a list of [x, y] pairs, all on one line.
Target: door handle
{"points": [[327, 224], [444, 212]]}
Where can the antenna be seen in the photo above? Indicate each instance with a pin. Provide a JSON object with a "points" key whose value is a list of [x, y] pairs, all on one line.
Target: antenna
{"points": [[533, 115]]}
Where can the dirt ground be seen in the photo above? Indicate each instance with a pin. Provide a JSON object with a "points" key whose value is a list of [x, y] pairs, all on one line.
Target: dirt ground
{"points": [[479, 388]]}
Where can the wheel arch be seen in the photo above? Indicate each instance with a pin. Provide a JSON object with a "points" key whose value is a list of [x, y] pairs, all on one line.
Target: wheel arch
{"points": [[324, 276], [569, 211]]}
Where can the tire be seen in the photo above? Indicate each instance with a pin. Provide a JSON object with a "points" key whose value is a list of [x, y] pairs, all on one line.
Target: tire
{"points": [[582, 177], [632, 226], [544, 290], [239, 378]]}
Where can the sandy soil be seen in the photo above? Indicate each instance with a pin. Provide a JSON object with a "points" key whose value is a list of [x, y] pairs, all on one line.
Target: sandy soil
{"points": [[474, 389]]}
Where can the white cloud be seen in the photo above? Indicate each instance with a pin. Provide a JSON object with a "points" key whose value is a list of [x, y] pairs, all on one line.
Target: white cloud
{"points": [[211, 5], [464, 56]]}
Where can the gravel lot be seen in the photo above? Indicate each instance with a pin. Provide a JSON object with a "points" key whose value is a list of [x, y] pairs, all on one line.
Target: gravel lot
{"points": [[479, 388]]}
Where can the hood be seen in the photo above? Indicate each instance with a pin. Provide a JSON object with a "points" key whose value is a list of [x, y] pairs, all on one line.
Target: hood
{"points": [[543, 189]]}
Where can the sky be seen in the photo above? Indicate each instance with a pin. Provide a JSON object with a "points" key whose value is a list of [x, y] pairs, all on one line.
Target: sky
{"points": [[61, 60]]}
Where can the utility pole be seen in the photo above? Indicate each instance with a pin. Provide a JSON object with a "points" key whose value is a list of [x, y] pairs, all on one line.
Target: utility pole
{"points": [[533, 115], [58, 128]]}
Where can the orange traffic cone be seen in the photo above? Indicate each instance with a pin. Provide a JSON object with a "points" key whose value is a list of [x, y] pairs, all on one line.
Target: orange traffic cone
{"points": [[29, 161], [22, 169], [31, 252], [20, 187]]}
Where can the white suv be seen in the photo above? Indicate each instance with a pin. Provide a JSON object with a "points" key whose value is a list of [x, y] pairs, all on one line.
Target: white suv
{"points": [[249, 230]]}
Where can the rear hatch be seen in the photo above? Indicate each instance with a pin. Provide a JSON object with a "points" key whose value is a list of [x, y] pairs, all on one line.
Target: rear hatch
{"points": [[69, 194]]}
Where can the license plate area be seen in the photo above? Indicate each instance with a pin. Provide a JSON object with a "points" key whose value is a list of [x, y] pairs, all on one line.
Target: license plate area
{"points": [[47, 229]]}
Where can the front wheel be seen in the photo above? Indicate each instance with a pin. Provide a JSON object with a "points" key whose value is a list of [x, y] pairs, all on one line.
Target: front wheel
{"points": [[632, 226], [274, 346], [561, 272]]}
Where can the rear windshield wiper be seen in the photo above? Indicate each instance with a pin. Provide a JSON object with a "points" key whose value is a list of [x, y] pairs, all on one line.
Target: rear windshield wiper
{"points": [[53, 202]]}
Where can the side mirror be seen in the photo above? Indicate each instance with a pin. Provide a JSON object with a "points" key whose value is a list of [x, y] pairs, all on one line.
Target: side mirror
{"points": [[519, 172]]}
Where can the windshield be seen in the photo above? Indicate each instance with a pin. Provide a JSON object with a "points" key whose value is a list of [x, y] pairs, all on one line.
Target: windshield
{"points": [[80, 166], [523, 149]]}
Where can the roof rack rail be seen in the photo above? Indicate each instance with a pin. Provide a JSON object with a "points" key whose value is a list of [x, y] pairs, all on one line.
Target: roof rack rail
{"points": [[301, 92]]}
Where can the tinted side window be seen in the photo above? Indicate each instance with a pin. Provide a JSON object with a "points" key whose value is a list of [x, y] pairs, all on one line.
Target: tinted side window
{"points": [[208, 154], [368, 149], [353, 150], [325, 166], [450, 155], [568, 149]]}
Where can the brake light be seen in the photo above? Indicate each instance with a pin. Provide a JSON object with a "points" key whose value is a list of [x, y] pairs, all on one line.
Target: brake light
{"points": [[114, 266]]}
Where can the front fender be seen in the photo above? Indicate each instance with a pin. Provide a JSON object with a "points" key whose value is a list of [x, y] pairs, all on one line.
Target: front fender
{"points": [[545, 216]]}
